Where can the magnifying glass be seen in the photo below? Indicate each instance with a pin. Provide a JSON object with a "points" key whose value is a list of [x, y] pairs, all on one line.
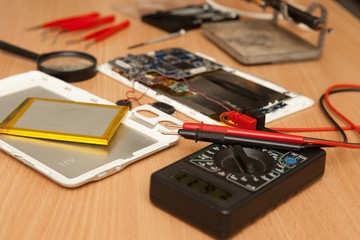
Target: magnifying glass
{"points": [[70, 66]]}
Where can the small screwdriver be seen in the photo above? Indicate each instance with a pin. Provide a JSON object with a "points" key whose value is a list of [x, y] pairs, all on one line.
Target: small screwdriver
{"points": [[171, 35]]}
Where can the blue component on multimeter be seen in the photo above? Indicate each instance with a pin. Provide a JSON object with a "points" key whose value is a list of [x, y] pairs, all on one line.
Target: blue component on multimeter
{"points": [[220, 195], [290, 160]]}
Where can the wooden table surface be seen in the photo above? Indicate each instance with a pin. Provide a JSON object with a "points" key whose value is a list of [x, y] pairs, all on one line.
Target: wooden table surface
{"points": [[119, 207]]}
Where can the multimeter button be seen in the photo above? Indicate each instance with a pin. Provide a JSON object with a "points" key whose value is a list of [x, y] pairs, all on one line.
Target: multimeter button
{"points": [[290, 160]]}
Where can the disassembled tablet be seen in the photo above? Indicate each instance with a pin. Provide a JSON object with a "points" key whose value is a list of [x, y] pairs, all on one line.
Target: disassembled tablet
{"points": [[64, 120], [74, 164], [200, 87]]}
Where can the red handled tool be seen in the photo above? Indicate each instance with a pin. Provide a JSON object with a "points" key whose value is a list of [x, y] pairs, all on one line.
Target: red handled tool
{"points": [[86, 23], [102, 34], [59, 22], [83, 24]]}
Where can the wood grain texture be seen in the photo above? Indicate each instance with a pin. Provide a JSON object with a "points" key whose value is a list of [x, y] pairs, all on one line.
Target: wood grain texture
{"points": [[118, 207]]}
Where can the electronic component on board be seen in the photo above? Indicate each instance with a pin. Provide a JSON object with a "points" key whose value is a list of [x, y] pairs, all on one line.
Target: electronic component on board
{"points": [[186, 77], [201, 88], [175, 62], [166, 108], [124, 102]]}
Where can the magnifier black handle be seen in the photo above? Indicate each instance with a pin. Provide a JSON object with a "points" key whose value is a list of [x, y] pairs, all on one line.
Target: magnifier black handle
{"points": [[19, 51]]}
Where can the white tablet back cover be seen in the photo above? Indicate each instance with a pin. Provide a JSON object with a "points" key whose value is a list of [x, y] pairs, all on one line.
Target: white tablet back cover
{"points": [[74, 164]]}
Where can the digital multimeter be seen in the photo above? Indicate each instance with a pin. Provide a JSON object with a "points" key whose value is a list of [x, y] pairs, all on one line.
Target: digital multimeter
{"points": [[222, 188]]}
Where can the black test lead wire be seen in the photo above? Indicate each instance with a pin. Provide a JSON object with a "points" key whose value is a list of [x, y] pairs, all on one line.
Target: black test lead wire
{"points": [[333, 122], [222, 138]]}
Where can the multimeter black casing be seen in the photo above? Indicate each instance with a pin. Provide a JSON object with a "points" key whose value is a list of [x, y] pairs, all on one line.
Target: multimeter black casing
{"points": [[219, 202]]}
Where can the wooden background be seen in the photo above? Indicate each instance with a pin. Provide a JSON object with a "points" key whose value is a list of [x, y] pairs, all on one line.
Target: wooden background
{"points": [[118, 207]]}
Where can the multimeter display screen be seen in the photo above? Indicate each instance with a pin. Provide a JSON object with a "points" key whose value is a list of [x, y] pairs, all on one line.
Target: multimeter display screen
{"points": [[201, 186]]}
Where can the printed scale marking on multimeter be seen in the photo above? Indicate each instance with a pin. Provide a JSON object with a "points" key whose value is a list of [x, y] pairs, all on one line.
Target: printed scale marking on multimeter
{"points": [[284, 162], [213, 191]]}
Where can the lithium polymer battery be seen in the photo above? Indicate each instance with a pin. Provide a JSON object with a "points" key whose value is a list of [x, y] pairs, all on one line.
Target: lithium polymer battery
{"points": [[64, 120]]}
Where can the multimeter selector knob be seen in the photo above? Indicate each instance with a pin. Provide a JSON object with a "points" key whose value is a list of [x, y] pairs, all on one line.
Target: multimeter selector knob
{"points": [[244, 160]]}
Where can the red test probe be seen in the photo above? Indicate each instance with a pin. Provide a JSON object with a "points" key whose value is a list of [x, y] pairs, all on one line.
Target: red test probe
{"points": [[244, 132], [268, 136]]}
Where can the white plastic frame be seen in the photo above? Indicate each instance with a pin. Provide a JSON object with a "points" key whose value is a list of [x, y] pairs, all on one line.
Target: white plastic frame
{"points": [[148, 126], [295, 103]]}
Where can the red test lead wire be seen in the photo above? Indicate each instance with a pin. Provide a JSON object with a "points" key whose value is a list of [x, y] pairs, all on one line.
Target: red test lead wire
{"points": [[331, 143], [319, 129], [334, 109], [245, 132], [279, 137]]}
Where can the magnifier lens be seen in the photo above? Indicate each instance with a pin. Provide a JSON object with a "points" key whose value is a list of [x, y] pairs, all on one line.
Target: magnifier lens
{"points": [[70, 66], [66, 63]]}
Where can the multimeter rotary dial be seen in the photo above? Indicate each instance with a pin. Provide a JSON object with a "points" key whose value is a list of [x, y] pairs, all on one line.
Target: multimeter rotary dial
{"points": [[244, 161]]}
